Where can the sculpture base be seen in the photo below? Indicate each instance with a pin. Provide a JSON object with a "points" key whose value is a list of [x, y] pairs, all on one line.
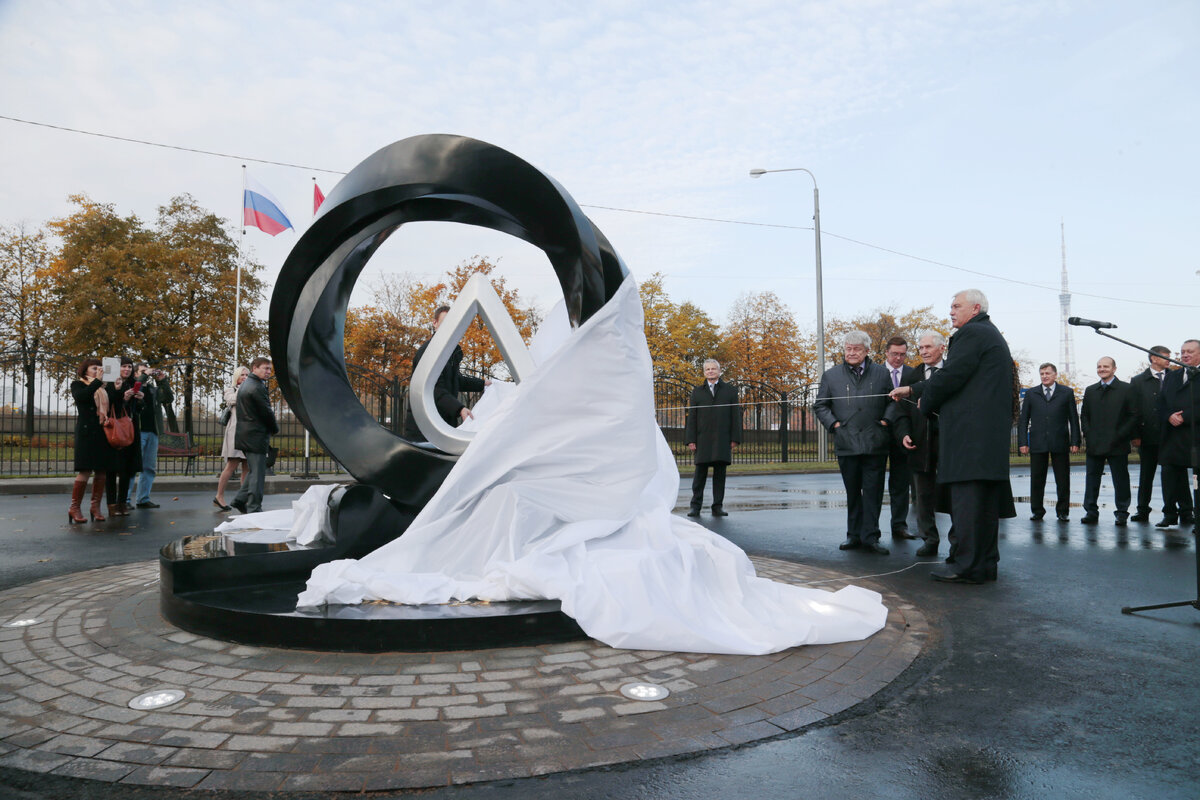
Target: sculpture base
{"points": [[246, 593]]}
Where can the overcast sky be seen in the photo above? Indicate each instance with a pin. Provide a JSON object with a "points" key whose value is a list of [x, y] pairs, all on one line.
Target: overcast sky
{"points": [[949, 139]]}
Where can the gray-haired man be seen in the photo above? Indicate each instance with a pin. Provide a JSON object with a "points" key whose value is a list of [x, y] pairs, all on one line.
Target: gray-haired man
{"points": [[852, 403]]}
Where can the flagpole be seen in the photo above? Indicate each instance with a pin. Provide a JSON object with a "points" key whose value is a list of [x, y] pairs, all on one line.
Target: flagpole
{"points": [[237, 304]]}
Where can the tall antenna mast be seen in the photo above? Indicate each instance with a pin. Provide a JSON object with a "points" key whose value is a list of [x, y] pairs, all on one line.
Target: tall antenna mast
{"points": [[1065, 345]]}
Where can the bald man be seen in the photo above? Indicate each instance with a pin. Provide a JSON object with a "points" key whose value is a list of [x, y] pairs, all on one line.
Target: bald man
{"points": [[1109, 420]]}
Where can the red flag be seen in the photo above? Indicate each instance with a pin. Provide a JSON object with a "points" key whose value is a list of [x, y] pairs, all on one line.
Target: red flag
{"points": [[318, 198]]}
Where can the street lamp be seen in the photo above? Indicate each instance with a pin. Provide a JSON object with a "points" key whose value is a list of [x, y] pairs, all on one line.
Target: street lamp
{"points": [[758, 173]]}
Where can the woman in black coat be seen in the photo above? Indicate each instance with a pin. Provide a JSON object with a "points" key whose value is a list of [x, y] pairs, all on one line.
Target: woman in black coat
{"points": [[92, 452], [123, 401]]}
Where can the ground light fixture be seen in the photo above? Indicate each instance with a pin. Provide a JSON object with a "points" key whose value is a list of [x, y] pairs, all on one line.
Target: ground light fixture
{"points": [[159, 698], [645, 691]]}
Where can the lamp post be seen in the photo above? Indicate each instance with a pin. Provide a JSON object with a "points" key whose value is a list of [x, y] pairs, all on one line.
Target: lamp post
{"points": [[822, 449]]}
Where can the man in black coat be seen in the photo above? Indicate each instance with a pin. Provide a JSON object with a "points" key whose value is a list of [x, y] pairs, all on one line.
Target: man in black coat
{"points": [[713, 431], [918, 435], [1109, 418], [973, 398], [1146, 386], [449, 385], [1048, 431], [255, 427], [899, 471], [852, 404], [1179, 410]]}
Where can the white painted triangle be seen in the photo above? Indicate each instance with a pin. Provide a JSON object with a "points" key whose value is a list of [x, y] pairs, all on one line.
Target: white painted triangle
{"points": [[477, 298]]}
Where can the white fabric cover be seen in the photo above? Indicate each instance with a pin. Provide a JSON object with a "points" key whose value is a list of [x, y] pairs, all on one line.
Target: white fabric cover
{"points": [[305, 523], [566, 493]]}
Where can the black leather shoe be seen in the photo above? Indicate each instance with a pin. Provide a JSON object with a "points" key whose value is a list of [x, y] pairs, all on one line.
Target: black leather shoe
{"points": [[902, 533], [850, 544], [1166, 522], [954, 577], [927, 549], [1140, 517], [695, 512], [1186, 519], [717, 511], [239, 505], [1037, 517], [1122, 520], [1090, 519], [1064, 517], [876, 547]]}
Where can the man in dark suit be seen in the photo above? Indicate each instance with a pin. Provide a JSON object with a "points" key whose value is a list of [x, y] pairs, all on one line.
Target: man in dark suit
{"points": [[1109, 418], [973, 398], [918, 434], [712, 432], [1146, 386], [1179, 410], [255, 427], [449, 385], [1047, 431], [899, 471], [852, 404]]}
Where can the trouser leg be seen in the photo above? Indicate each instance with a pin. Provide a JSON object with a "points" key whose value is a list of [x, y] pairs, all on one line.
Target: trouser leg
{"points": [[851, 469], [699, 479], [873, 470], [1118, 465], [1175, 491], [1061, 463], [149, 466], [718, 485], [1091, 486], [1148, 458], [1037, 482], [899, 486], [925, 489], [256, 482]]}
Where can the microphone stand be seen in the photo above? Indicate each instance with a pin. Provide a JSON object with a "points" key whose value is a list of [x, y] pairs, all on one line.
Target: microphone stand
{"points": [[1193, 377]]}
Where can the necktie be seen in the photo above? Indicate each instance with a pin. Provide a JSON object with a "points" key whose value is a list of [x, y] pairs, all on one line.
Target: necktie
{"points": [[1047, 391], [929, 372], [895, 378], [858, 371], [1160, 376], [712, 387]]}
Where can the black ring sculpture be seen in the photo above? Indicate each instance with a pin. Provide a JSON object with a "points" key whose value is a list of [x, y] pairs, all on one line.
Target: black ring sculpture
{"points": [[421, 179], [247, 593]]}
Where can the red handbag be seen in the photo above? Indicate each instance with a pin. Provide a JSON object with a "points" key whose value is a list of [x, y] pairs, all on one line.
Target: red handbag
{"points": [[119, 431]]}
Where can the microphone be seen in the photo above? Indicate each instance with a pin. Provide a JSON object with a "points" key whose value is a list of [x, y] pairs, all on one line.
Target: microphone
{"points": [[1090, 323]]}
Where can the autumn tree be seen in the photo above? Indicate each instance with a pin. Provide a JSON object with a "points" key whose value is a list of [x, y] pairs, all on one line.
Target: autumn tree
{"points": [[165, 294], [25, 305], [680, 336], [882, 324], [761, 342]]}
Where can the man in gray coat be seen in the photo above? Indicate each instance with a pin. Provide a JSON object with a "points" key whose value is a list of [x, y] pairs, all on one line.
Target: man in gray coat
{"points": [[713, 431], [973, 398], [852, 404], [255, 426]]}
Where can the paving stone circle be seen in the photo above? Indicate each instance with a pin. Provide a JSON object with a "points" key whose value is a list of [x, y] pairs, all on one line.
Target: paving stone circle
{"points": [[265, 719]]}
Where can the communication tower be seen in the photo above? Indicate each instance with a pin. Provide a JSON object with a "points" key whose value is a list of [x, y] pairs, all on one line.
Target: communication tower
{"points": [[1065, 343]]}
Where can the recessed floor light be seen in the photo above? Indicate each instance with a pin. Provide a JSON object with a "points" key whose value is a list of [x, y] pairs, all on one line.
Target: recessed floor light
{"points": [[157, 699], [645, 691]]}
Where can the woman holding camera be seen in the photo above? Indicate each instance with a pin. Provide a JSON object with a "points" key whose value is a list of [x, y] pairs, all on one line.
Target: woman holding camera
{"points": [[233, 457], [124, 395], [93, 455]]}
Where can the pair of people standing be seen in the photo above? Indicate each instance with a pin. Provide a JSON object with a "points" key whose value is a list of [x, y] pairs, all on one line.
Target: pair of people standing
{"points": [[248, 433]]}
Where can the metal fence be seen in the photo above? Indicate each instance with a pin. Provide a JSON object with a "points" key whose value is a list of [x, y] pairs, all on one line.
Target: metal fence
{"points": [[37, 418]]}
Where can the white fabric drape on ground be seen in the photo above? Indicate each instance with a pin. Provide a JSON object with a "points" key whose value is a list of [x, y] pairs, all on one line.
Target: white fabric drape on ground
{"points": [[566, 493]]}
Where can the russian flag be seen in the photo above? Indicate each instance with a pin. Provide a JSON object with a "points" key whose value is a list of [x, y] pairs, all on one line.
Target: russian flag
{"points": [[261, 210]]}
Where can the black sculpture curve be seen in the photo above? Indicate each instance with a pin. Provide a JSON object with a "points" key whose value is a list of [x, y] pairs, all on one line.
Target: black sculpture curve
{"points": [[436, 177]]}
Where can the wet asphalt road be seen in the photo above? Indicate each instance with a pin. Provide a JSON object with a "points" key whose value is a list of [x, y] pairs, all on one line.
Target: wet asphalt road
{"points": [[1033, 687]]}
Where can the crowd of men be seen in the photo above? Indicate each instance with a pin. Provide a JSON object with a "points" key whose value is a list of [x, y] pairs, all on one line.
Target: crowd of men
{"points": [[940, 433]]}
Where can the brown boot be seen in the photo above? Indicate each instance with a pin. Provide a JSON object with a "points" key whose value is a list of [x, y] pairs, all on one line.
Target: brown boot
{"points": [[97, 496], [74, 515]]}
